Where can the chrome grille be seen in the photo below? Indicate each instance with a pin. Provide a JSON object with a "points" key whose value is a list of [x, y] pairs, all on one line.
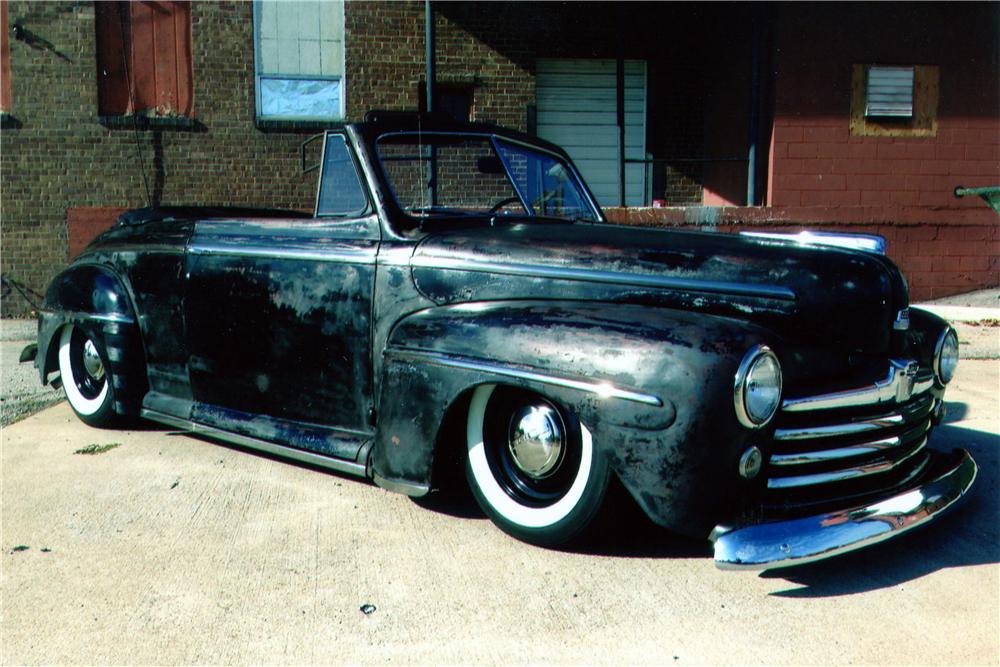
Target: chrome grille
{"points": [[853, 443]]}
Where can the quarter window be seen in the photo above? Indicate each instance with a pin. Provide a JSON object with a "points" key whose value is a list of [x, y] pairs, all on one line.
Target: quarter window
{"points": [[340, 193], [299, 56]]}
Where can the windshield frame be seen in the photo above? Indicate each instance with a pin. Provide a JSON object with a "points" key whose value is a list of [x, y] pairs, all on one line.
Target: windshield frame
{"points": [[594, 214]]}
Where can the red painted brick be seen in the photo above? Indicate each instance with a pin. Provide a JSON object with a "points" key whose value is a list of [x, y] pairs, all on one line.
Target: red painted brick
{"points": [[991, 136], [916, 264], [787, 133], [803, 150], [796, 182], [828, 150], [947, 151], [974, 263], [980, 152], [890, 182], [863, 150], [937, 166], [875, 197], [918, 233], [975, 168], [819, 135], [919, 151], [923, 183], [830, 198], [935, 198], [786, 198], [891, 151], [865, 166], [904, 197]]}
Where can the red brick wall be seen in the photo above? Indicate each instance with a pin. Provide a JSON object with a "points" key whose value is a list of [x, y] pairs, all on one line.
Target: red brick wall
{"points": [[816, 161], [905, 185]]}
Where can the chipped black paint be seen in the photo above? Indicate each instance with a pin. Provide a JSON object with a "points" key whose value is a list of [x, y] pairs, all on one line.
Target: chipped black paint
{"points": [[321, 334]]}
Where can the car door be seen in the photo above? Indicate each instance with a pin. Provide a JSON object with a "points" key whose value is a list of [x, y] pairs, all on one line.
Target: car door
{"points": [[278, 319]]}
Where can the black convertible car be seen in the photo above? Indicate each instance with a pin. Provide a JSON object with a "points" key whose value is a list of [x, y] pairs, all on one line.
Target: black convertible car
{"points": [[458, 296]]}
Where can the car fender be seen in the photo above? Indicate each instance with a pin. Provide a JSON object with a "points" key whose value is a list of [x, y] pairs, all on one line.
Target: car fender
{"points": [[94, 296], [654, 386]]}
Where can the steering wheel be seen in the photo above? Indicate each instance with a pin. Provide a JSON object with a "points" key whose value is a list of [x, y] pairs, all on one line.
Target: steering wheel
{"points": [[504, 202]]}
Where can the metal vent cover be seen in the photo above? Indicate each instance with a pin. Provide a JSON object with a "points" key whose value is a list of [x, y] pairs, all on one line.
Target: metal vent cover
{"points": [[890, 92]]}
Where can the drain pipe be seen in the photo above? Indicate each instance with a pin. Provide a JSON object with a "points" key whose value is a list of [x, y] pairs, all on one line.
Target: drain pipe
{"points": [[429, 43], [754, 130]]}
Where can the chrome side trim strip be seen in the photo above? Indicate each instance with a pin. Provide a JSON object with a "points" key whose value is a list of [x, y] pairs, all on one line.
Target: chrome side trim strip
{"points": [[900, 384], [862, 448], [97, 317], [838, 429], [812, 538], [602, 389], [608, 277], [348, 467], [341, 255], [842, 474]]}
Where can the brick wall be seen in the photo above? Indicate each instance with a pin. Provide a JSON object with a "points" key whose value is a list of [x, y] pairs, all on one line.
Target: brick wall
{"points": [[821, 171], [57, 156]]}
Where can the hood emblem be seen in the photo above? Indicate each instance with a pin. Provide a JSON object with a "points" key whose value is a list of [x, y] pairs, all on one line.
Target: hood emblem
{"points": [[906, 374]]}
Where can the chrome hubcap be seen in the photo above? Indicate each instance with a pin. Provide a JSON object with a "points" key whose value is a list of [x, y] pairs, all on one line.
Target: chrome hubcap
{"points": [[92, 360], [536, 439]]}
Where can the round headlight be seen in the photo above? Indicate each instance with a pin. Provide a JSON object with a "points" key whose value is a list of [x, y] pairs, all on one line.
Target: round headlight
{"points": [[946, 356], [757, 392]]}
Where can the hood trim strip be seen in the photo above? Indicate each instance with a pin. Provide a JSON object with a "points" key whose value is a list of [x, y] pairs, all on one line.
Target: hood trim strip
{"points": [[609, 277]]}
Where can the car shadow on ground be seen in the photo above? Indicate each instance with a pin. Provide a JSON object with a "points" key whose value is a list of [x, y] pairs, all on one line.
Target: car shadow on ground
{"points": [[968, 535], [965, 536], [620, 530]]}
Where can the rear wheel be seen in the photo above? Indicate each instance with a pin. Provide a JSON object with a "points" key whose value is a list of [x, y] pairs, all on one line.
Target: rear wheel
{"points": [[532, 466], [85, 378]]}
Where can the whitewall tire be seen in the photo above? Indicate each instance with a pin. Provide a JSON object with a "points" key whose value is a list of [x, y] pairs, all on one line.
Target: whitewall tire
{"points": [[85, 376], [532, 467]]}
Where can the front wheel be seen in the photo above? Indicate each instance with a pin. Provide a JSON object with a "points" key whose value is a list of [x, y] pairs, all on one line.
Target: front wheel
{"points": [[532, 466], [84, 370]]}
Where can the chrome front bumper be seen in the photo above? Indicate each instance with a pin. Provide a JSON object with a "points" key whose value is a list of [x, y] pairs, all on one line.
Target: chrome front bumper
{"points": [[803, 540]]}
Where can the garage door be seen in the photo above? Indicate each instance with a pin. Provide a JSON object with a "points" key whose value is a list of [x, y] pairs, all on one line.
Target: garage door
{"points": [[577, 109]]}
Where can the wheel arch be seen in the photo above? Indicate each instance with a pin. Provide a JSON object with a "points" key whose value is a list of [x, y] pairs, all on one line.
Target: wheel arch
{"points": [[653, 386], [95, 298]]}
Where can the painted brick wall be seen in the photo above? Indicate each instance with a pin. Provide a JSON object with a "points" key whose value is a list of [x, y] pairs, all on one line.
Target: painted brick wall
{"points": [[816, 161], [903, 186]]}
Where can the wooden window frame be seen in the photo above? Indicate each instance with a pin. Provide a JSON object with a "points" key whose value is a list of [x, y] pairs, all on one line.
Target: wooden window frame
{"points": [[923, 122]]}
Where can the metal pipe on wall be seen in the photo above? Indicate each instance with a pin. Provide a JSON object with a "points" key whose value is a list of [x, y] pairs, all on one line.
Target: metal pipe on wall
{"points": [[429, 44], [754, 128]]}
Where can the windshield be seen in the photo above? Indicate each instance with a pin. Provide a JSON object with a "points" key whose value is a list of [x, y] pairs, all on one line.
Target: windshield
{"points": [[437, 174]]}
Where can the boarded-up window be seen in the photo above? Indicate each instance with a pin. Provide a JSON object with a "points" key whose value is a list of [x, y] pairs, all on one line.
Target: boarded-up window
{"points": [[144, 58], [4, 60], [299, 55], [894, 101]]}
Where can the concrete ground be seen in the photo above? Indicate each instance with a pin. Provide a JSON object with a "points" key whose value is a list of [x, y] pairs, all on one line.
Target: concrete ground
{"points": [[21, 393], [162, 548]]}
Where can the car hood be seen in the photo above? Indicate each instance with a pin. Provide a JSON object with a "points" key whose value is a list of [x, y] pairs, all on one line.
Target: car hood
{"points": [[826, 294]]}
